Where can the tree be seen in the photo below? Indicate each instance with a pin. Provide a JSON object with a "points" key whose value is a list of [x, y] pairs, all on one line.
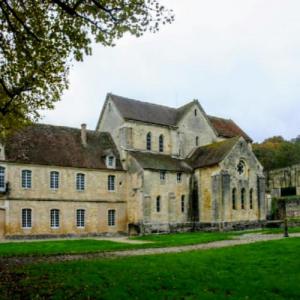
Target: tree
{"points": [[39, 40]]}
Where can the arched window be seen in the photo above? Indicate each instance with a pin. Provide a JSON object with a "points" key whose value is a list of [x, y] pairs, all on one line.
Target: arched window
{"points": [[161, 143], [80, 182], [54, 218], [182, 203], [234, 198], [197, 141], [26, 218], [251, 199], [2, 179], [54, 180], [195, 112], [148, 141], [158, 204], [243, 198]]}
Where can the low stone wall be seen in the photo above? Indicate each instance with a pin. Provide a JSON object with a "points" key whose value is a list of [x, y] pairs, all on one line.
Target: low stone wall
{"points": [[150, 228], [293, 209], [58, 236]]}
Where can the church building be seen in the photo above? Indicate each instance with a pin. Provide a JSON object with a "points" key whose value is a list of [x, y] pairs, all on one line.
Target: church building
{"points": [[145, 168]]}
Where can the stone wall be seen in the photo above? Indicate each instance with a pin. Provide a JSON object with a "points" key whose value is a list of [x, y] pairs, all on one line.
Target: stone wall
{"points": [[96, 218], [284, 178], [95, 199], [192, 126]]}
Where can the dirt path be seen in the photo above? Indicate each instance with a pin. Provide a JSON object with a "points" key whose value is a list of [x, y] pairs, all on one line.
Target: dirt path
{"points": [[241, 240]]}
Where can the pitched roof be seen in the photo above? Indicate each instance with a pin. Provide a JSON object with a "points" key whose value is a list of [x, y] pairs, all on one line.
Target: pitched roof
{"points": [[168, 116], [227, 128], [153, 161], [212, 154], [60, 146], [143, 111]]}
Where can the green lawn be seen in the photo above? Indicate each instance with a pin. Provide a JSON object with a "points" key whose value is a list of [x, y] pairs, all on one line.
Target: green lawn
{"points": [[266, 270], [280, 230], [91, 246], [187, 238]]}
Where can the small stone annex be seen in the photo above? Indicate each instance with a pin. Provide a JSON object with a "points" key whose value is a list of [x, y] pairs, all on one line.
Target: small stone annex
{"points": [[145, 168]]}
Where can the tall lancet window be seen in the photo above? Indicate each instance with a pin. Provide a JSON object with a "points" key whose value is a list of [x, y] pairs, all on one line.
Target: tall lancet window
{"points": [[148, 141], [161, 143]]}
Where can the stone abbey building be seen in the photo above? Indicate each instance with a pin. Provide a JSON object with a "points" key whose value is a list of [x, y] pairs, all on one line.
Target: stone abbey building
{"points": [[146, 168]]}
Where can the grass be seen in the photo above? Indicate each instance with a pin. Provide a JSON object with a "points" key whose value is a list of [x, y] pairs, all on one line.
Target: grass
{"points": [[187, 238], [280, 230], [59, 247], [54, 247], [266, 270], [91, 246]]}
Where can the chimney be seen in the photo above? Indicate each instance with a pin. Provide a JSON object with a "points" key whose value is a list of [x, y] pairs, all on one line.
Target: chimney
{"points": [[83, 135]]}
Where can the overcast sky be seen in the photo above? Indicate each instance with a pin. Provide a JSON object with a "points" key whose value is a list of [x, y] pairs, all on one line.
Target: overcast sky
{"points": [[239, 58]]}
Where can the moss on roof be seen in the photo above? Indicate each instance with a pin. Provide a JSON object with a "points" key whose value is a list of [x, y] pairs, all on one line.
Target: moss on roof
{"points": [[153, 161], [211, 154], [60, 146]]}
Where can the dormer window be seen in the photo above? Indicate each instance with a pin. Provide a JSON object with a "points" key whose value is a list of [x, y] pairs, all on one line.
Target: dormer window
{"points": [[110, 161]]}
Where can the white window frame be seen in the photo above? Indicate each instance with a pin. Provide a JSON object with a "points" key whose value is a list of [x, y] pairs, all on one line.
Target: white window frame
{"points": [[2, 179], [26, 187], [111, 185], [56, 181], [111, 164], [162, 176], [79, 219], [26, 218], [81, 186], [54, 219], [112, 219]]}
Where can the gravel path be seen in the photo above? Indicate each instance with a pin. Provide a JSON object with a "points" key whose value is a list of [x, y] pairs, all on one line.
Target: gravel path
{"points": [[240, 240]]}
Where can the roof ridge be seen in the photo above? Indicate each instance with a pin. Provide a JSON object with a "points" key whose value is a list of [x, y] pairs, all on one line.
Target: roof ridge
{"points": [[141, 101], [63, 126]]}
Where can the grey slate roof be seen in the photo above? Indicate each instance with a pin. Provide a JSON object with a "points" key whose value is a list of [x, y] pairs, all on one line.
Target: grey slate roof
{"points": [[163, 115], [60, 146], [153, 161], [143, 111]]}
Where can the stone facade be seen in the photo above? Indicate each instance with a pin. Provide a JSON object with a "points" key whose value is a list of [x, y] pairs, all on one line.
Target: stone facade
{"points": [[174, 170]]}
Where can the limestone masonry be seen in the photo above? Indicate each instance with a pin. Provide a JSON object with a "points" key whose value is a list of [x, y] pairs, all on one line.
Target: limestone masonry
{"points": [[146, 168]]}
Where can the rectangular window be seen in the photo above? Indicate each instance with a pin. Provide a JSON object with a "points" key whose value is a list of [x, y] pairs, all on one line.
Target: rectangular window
{"points": [[179, 177], [26, 218], [80, 221], [2, 179], [111, 217], [26, 179], [80, 182], [111, 183], [111, 161], [182, 203], [54, 180], [162, 176], [54, 218]]}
